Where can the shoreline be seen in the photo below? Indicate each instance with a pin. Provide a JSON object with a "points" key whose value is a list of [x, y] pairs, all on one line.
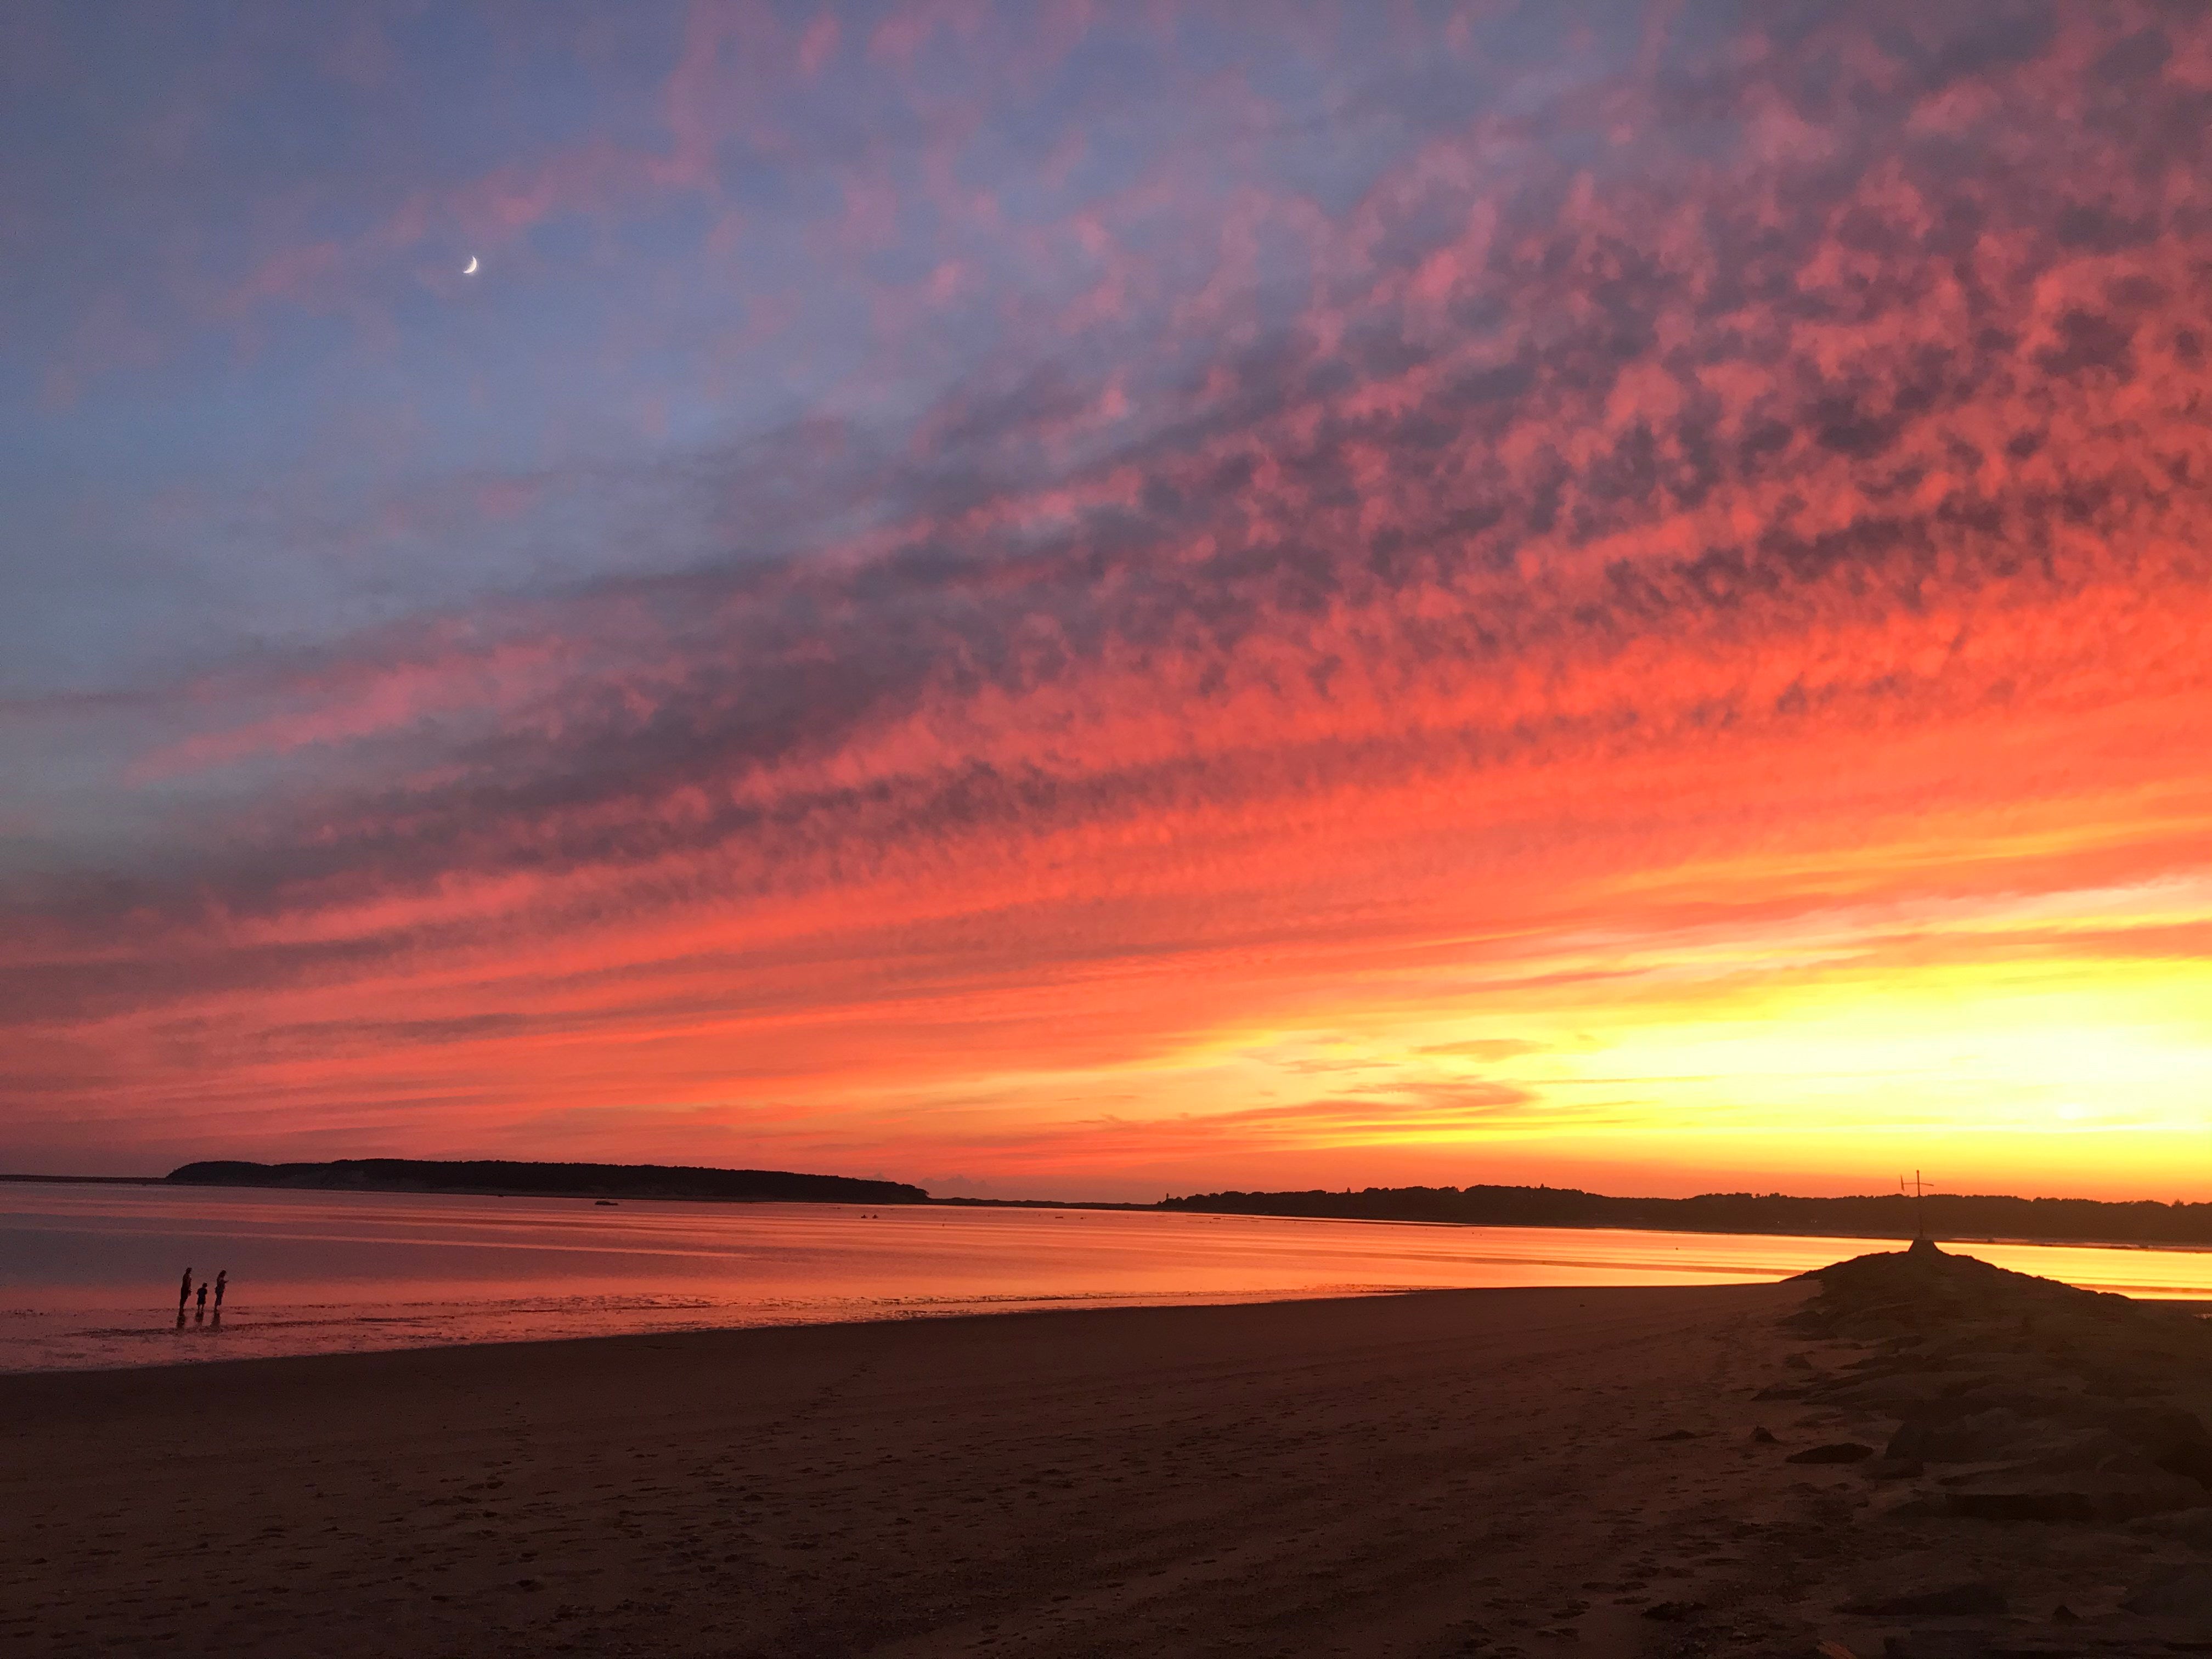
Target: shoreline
{"points": [[616, 1345], [2200, 1307], [2167, 1247], [1198, 1303]]}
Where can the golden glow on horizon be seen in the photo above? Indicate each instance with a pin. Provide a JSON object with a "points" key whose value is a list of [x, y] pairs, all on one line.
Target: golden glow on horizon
{"points": [[1803, 1056]]}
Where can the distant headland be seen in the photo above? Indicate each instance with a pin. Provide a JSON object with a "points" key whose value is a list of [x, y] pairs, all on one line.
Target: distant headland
{"points": [[500, 1175], [1889, 1215]]}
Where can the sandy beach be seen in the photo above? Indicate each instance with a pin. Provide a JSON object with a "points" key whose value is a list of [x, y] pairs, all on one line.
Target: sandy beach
{"points": [[1498, 1472], [1362, 1475]]}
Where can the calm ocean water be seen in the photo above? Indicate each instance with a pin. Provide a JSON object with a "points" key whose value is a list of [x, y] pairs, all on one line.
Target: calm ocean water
{"points": [[88, 1275]]}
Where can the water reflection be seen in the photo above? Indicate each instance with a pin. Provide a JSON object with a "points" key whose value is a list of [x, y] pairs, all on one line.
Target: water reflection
{"points": [[85, 1271]]}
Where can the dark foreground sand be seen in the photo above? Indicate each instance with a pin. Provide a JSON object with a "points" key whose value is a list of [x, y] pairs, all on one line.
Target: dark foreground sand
{"points": [[1482, 1472]]}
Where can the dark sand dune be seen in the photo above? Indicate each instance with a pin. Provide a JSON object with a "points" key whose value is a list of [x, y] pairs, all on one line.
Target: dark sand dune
{"points": [[1490, 1472]]}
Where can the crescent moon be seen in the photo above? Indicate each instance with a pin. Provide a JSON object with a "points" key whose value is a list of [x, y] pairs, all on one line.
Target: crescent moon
{"points": [[469, 269]]}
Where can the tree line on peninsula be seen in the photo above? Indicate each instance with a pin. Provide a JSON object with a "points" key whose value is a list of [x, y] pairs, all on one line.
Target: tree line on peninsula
{"points": [[503, 1176], [1889, 1215]]}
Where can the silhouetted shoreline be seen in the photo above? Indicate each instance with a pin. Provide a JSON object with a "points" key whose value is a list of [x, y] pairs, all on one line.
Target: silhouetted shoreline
{"points": [[501, 1176], [1985, 1218], [1894, 1215]]}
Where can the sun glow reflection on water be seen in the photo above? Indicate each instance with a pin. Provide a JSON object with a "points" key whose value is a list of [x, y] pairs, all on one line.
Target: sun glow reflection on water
{"points": [[88, 1274]]}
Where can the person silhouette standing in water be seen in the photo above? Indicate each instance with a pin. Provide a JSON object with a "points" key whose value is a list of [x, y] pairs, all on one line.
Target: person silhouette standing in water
{"points": [[221, 1282], [201, 1312], [184, 1295]]}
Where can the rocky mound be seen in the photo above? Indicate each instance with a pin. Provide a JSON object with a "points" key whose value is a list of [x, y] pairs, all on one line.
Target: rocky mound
{"points": [[2017, 1397]]}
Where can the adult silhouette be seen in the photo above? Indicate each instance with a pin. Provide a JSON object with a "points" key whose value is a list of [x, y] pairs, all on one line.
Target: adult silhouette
{"points": [[184, 1294], [221, 1281]]}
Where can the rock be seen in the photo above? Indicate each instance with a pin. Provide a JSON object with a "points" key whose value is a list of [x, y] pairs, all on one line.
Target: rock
{"points": [[1988, 1422], [1935, 1645], [1892, 1468], [2090, 1449], [1980, 1437], [1762, 1436], [1871, 1327], [2174, 1439], [1900, 1393], [2191, 1526], [2119, 1491], [2022, 1504], [1842, 1451], [2183, 1595], [1953, 1599]]}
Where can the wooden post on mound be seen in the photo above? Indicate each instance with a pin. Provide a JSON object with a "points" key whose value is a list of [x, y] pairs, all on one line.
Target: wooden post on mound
{"points": [[1919, 1207]]}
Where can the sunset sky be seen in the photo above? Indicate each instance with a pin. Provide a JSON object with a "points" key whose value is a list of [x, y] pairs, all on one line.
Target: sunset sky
{"points": [[1084, 600]]}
